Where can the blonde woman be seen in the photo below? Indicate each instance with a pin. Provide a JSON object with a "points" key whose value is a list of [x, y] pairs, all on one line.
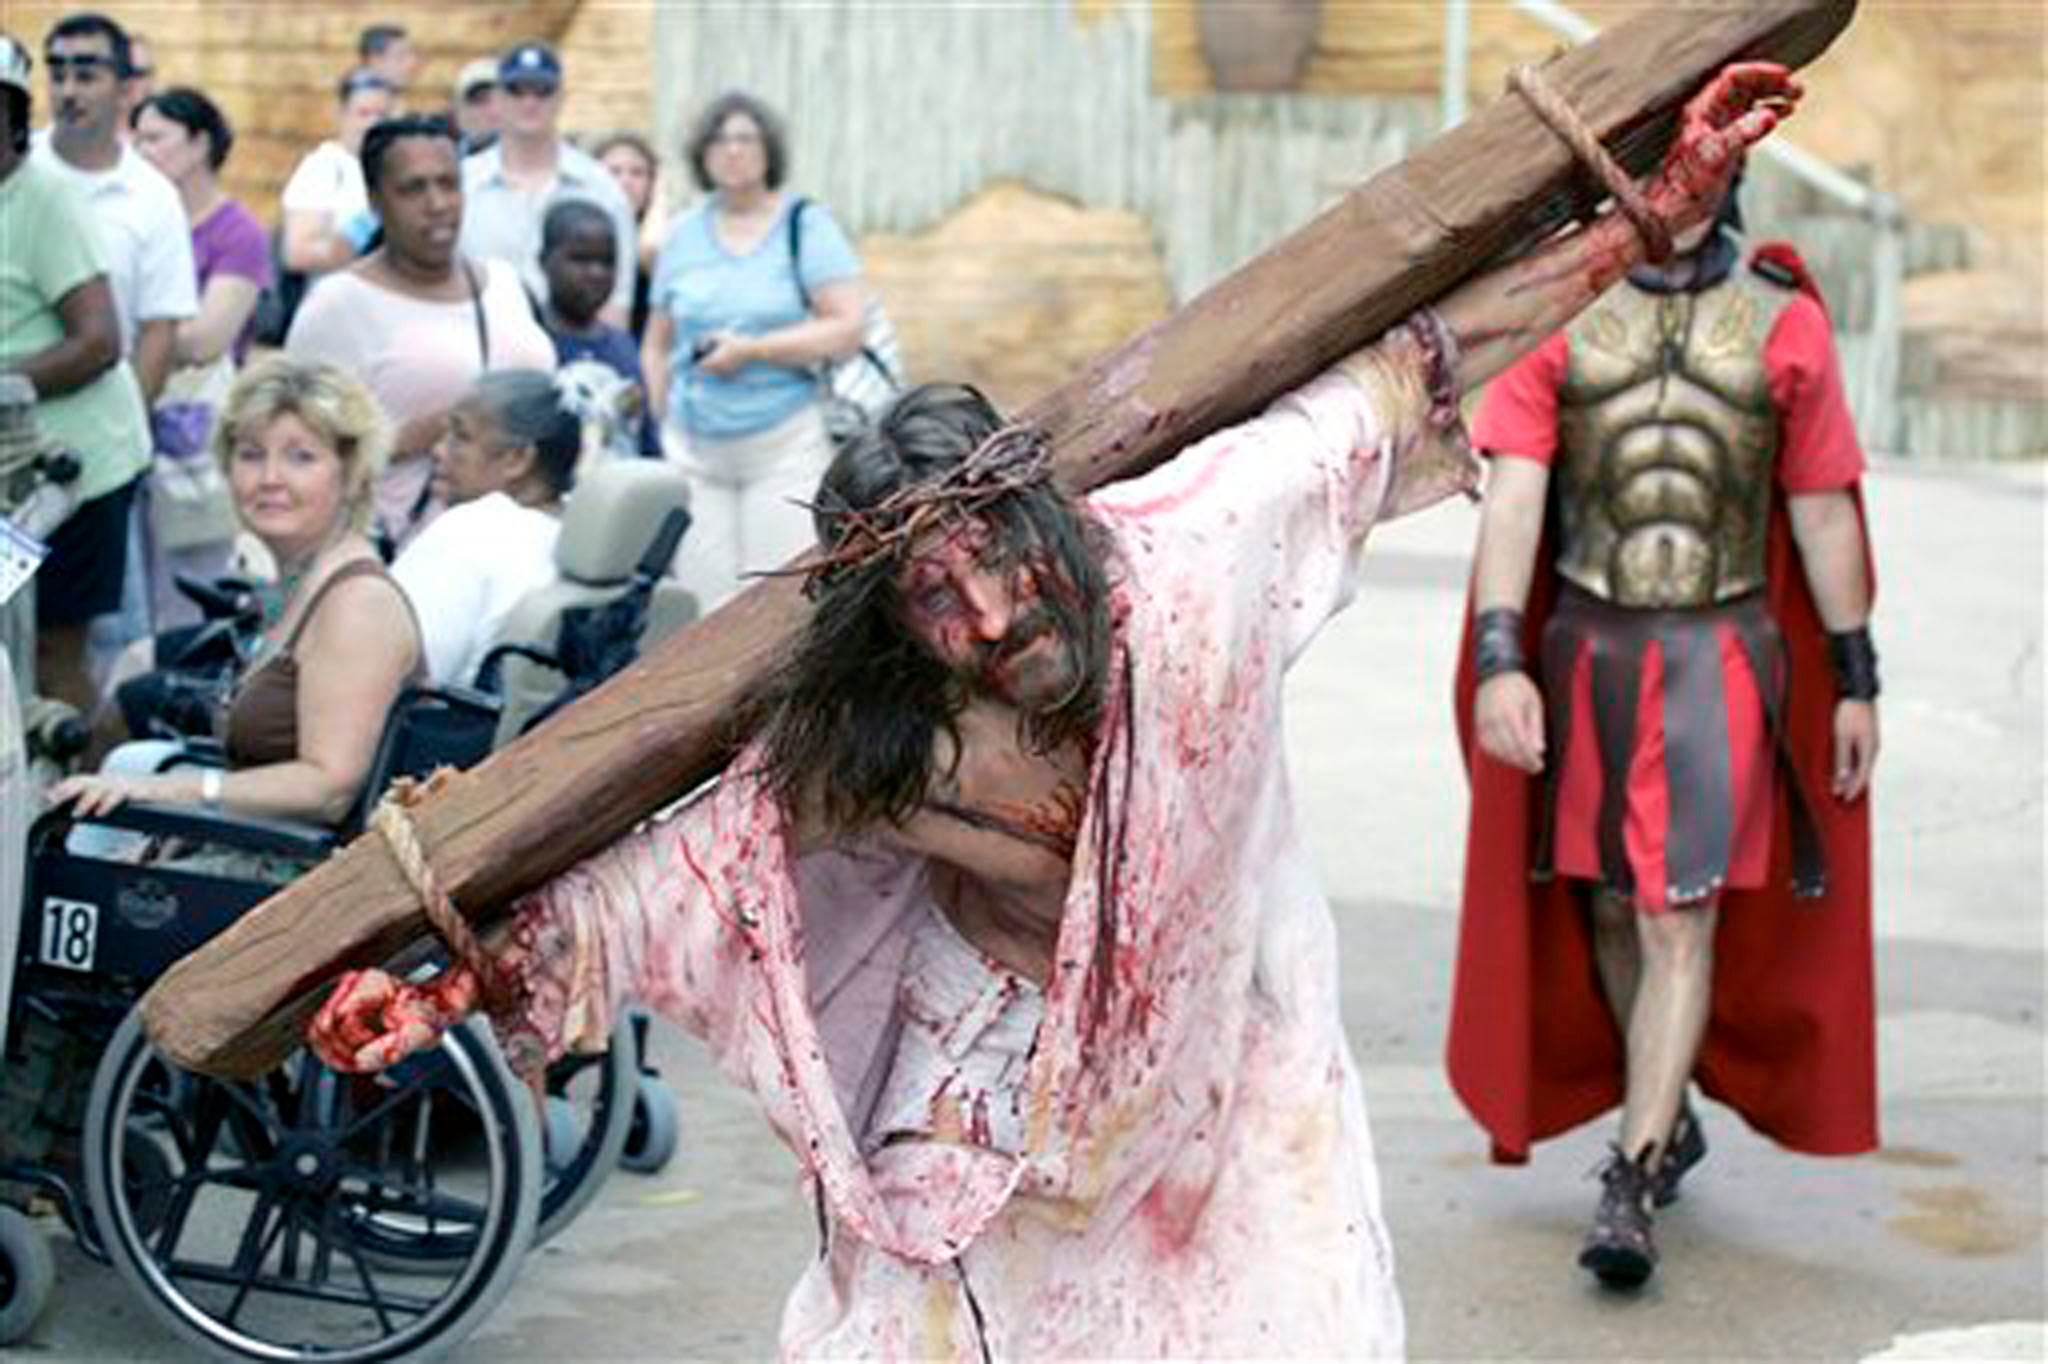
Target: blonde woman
{"points": [[301, 444]]}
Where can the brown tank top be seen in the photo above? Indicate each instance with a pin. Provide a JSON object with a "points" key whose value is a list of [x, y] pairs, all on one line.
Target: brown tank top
{"points": [[263, 716]]}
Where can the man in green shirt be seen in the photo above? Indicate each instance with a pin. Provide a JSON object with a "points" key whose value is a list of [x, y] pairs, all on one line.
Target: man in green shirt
{"points": [[58, 328]]}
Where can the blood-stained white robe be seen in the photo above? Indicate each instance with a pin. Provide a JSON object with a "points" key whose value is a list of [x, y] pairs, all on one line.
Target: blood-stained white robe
{"points": [[1196, 1176]]}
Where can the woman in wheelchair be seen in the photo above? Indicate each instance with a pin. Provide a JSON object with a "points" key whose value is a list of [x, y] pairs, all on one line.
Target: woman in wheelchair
{"points": [[502, 469], [301, 444]]}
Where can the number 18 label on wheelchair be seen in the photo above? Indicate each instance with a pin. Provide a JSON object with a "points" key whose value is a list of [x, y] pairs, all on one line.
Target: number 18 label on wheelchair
{"points": [[70, 932]]}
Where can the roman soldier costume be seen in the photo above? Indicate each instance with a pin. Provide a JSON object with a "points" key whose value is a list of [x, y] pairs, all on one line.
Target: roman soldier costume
{"points": [[1689, 693]]}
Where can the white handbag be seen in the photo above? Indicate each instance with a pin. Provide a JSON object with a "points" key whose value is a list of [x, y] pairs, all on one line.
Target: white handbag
{"points": [[852, 391], [190, 502]]}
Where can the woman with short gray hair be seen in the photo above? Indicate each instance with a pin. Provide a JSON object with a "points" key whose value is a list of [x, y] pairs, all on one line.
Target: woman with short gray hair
{"points": [[504, 465]]}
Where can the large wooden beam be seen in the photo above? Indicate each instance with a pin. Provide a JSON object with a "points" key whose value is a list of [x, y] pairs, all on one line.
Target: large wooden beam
{"points": [[1472, 196]]}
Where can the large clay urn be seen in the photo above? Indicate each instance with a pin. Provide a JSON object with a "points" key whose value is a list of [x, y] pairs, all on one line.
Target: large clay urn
{"points": [[1257, 44]]}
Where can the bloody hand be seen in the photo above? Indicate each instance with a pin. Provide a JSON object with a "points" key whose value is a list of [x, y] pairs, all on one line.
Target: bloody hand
{"points": [[373, 1020], [1738, 107]]}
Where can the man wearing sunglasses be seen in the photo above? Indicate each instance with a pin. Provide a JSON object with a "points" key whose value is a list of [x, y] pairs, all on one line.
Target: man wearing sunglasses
{"points": [[88, 59], [508, 188], [142, 227]]}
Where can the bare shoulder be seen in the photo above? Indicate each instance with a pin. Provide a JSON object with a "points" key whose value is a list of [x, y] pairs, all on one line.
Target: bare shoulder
{"points": [[363, 613]]}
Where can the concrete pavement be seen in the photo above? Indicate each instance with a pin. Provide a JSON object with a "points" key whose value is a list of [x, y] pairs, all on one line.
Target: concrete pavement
{"points": [[1931, 1247]]}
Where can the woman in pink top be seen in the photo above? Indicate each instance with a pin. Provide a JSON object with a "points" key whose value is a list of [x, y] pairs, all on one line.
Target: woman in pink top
{"points": [[415, 319]]}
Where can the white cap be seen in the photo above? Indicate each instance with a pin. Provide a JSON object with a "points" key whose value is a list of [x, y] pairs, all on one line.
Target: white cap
{"points": [[15, 64], [483, 71]]}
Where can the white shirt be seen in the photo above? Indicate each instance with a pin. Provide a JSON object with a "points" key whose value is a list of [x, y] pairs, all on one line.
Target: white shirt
{"points": [[329, 179], [463, 573], [143, 230], [500, 222], [964, 1053]]}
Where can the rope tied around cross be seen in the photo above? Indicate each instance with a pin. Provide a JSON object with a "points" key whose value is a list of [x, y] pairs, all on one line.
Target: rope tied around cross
{"points": [[497, 991], [1559, 116]]}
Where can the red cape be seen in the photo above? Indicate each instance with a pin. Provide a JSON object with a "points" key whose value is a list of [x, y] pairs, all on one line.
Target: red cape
{"points": [[1791, 1041]]}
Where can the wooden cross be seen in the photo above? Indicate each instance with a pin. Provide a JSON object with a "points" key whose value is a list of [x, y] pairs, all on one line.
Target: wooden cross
{"points": [[1473, 197]]}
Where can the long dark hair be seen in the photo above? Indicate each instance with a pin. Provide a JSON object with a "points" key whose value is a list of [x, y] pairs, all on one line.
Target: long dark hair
{"points": [[849, 717]]}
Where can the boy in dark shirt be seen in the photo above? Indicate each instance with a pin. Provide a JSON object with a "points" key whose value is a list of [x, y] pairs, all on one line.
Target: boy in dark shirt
{"points": [[578, 256]]}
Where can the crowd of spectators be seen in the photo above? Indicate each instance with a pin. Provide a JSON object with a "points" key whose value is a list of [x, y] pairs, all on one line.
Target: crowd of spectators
{"points": [[455, 266]]}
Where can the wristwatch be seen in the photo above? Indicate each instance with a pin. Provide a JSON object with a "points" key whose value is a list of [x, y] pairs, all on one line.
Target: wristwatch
{"points": [[209, 786]]}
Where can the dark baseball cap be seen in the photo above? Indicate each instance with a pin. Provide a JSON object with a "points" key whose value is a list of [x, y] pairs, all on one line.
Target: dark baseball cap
{"points": [[530, 64]]}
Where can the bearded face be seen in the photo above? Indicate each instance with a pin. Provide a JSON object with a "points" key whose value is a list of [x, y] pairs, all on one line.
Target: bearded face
{"points": [[979, 607], [952, 572]]}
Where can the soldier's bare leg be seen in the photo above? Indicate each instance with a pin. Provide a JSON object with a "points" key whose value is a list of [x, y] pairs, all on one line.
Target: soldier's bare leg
{"points": [[1668, 1017], [1615, 953]]}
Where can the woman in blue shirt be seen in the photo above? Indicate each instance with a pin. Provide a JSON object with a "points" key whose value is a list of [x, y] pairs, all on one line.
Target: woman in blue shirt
{"points": [[744, 310]]}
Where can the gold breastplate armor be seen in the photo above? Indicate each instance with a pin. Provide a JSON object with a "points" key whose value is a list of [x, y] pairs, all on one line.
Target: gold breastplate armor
{"points": [[1666, 440]]}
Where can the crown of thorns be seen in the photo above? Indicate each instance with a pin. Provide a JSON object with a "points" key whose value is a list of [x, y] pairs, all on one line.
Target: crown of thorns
{"points": [[1009, 460]]}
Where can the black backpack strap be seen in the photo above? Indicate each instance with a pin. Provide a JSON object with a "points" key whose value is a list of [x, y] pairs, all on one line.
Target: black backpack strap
{"points": [[796, 244]]}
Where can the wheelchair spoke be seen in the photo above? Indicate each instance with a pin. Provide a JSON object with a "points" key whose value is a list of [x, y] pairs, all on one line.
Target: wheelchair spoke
{"points": [[254, 1249], [172, 1230], [288, 1251], [408, 1304], [440, 1211], [213, 1111], [376, 1299], [323, 1248], [244, 1098], [419, 1090]]}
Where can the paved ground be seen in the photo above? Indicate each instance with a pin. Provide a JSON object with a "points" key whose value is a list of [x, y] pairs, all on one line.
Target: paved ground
{"points": [[1937, 1238]]}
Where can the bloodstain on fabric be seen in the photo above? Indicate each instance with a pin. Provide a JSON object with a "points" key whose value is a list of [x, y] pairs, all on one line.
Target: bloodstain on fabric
{"points": [[1103, 1214]]}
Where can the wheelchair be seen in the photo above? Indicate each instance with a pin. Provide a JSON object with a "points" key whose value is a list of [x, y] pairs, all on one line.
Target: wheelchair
{"points": [[604, 604], [255, 1218], [306, 1214]]}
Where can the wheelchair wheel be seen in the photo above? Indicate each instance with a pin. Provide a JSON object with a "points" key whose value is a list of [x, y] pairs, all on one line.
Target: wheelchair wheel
{"points": [[246, 1230], [28, 1274], [652, 1142], [585, 1125]]}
